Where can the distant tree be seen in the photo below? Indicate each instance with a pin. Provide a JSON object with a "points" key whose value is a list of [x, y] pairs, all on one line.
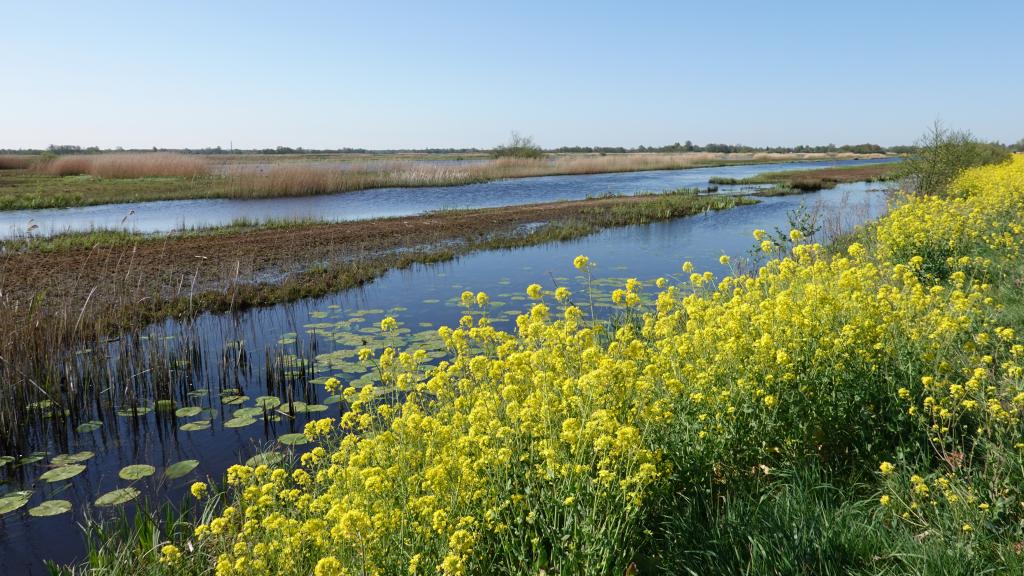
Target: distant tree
{"points": [[943, 153], [1018, 146], [518, 146]]}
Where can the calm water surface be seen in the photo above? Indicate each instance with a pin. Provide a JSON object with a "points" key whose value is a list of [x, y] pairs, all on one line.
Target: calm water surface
{"points": [[322, 335]]}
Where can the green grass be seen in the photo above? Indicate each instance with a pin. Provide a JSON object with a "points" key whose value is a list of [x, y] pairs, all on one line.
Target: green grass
{"points": [[20, 190]]}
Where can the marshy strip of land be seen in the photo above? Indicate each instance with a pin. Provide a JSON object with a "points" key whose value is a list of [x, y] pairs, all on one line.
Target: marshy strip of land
{"points": [[800, 181], [108, 280], [82, 180]]}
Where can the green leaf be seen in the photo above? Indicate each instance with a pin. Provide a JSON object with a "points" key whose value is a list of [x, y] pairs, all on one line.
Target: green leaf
{"points": [[250, 412], [136, 471], [130, 411], [5, 460], [63, 472], [235, 399], [13, 501], [311, 408], [90, 426], [239, 422], [188, 411], [179, 469], [50, 508], [116, 497], [295, 439], [195, 426], [31, 458], [268, 402], [76, 458], [268, 458]]}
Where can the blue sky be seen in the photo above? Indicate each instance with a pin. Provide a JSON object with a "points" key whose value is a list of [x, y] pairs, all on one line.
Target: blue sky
{"points": [[443, 74]]}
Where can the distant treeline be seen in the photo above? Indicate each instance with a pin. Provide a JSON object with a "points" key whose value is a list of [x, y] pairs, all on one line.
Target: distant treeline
{"points": [[687, 146]]}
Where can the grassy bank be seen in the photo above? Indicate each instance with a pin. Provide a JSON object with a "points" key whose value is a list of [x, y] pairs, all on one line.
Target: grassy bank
{"points": [[103, 179], [855, 413], [800, 181]]}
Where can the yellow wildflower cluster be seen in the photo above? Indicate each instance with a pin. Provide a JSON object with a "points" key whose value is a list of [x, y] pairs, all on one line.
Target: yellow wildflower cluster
{"points": [[551, 447]]}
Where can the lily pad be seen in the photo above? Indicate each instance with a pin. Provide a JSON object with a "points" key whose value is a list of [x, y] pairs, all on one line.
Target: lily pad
{"points": [[195, 426], [250, 412], [268, 458], [179, 469], [198, 393], [5, 460], [333, 399], [239, 422], [76, 458], [50, 508], [311, 408], [234, 399], [295, 439], [130, 411], [90, 426], [13, 501], [268, 402], [136, 471], [165, 404], [188, 411], [63, 472], [31, 458], [116, 497]]}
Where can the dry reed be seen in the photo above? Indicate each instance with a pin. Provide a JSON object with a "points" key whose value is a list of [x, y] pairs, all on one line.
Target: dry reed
{"points": [[312, 178], [140, 165], [9, 162]]}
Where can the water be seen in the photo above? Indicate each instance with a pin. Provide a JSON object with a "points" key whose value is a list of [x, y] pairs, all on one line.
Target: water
{"points": [[421, 298], [166, 216]]}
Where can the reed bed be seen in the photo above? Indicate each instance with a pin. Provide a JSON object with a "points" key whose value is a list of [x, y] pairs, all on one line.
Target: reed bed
{"points": [[8, 162], [312, 179], [157, 164]]}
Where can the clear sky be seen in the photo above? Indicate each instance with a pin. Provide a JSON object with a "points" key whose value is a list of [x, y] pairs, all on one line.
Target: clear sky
{"points": [[438, 74]]}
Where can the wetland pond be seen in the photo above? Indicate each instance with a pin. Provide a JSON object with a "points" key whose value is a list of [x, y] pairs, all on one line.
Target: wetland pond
{"points": [[170, 215], [176, 403]]}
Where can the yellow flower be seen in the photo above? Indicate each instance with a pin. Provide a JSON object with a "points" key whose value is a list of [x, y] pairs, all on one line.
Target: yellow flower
{"points": [[885, 500], [795, 235], [199, 490], [329, 566], [967, 528], [533, 291], [170, 554], [481, 299], [887, 468], [332, 384], [562, 294], [388, 324], [723, 260], [767, 246], [687, 266], [759, 235], [581, 262], [467, 298]]}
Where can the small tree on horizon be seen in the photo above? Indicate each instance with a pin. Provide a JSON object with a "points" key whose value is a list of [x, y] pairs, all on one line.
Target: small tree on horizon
{"points": [[519, 146]]}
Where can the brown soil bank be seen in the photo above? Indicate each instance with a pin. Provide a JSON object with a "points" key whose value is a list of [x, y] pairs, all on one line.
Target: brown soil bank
{"points": [[123, 279]]}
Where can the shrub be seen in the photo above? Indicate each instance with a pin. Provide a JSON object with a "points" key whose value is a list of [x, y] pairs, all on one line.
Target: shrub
{"points": [[941, 154], [519, 146]]}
